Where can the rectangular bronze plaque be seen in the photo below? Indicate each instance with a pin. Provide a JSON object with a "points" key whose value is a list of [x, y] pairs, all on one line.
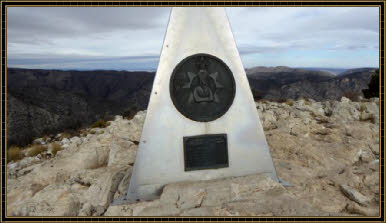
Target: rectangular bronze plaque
{"points": [[206, 152]]}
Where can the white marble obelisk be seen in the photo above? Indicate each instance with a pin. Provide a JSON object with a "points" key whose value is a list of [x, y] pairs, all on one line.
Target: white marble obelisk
{"points": [[160, 157]]}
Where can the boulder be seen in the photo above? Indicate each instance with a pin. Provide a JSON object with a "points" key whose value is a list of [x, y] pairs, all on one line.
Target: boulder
{"points": [[76, 140]]}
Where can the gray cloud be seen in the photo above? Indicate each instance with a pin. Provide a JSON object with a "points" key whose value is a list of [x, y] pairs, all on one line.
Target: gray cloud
{"points": [[31, 24], [122, 38]]}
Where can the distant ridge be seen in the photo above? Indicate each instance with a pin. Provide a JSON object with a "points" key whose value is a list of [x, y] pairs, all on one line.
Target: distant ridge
{"points": [[275, 83], [49, 101]]}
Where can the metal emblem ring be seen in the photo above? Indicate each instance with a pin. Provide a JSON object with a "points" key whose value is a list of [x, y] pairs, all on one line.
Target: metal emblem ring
{"points": [[202, 87]]}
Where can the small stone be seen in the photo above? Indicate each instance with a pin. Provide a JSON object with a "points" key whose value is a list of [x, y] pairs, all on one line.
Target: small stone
{"points": [[366, 156], [345, 100], [65, 141], [12, 165], [39, 141], [354, 195]]}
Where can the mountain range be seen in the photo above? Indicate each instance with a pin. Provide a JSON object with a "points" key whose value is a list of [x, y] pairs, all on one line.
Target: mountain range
{"points": [[43, 102]]}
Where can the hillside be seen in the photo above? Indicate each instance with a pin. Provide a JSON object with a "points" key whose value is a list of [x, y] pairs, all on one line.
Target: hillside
{"points": [[275, 83], [327, 151], [49, 101]]}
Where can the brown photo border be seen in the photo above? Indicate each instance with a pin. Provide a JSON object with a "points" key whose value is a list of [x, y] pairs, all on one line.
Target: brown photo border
{"points": [[197, 3]]}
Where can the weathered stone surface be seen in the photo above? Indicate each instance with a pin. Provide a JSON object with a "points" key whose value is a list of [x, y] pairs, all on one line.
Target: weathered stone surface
{"points": [[53, 200], [357, 209], [313, 150], [250, 195], [124, 184], [76, 140], [122, 153], [101, 193]]}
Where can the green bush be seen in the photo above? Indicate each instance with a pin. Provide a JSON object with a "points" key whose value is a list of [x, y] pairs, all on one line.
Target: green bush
{"points": [[352, 95], [100, 124], [373, 90], [14, 153]]}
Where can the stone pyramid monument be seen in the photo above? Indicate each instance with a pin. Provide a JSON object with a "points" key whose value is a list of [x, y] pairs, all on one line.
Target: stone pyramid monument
{"points": [[201, 121]]}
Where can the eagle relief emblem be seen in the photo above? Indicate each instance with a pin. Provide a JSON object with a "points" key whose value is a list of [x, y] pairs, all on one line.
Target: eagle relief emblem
{"points": [[207, 84], [202, 87]]}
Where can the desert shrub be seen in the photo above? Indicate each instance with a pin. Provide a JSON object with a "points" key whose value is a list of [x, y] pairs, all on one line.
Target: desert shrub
{"points": [[35, 150], [373, 90], [108, 118], [290, 102], [55, 148], [65, 135], [352, 95], [130, 113], [14, 153], [100, 124], [257, 95], [306, 100]]}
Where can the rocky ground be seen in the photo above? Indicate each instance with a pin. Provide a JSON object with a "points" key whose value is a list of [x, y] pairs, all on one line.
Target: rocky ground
{"points": [[327, 151]]}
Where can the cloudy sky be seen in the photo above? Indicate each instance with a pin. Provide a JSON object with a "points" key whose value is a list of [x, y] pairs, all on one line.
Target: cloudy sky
{"points": [[131, 38]]}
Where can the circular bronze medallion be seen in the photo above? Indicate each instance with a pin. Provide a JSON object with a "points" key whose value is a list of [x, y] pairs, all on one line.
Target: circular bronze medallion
{"points": [[202, 87]]}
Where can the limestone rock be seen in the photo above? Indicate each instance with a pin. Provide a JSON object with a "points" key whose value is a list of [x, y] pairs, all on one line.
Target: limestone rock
{"points": [[101, 193], [124, 184], [122, 153], [93, 155], [356, 209], [76, 140], [250, 195], [354, 195], [316, 147], [53, 200], [65, 141]]}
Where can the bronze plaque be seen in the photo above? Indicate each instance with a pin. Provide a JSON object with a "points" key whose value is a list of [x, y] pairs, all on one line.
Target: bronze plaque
{"points": [[202, 87], [206, 152]]}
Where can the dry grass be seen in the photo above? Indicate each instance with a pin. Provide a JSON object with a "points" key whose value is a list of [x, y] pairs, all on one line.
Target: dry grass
{"points": [[307, 101], [290, 102], [35, 150], [55, 148], [14, 153], [362, 108]]}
